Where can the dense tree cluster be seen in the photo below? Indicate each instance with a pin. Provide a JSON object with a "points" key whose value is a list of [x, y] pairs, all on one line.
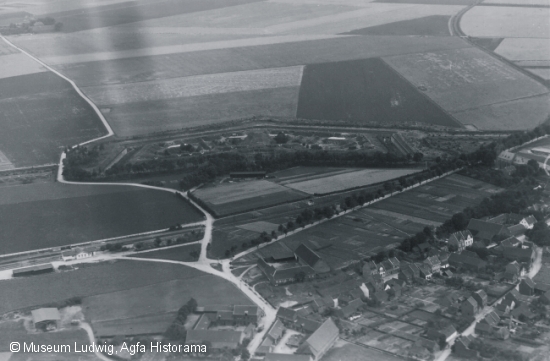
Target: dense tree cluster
{"points": [[176, 331]]}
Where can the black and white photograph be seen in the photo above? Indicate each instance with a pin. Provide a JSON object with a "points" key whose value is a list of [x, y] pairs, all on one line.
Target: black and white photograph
{"points": [[275, 180]]}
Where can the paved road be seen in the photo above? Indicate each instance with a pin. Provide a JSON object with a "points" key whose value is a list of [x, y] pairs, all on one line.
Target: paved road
{"points": [[535, 267]]}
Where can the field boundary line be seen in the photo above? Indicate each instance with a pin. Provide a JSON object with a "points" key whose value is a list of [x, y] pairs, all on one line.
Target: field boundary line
{"points": [[75, 87]]}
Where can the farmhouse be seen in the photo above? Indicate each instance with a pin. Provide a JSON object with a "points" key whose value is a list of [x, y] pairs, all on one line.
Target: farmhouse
{"points": [[276, 332], [527, 287], [466, 261], [523, 255], [348, 310], [460, 240], [447, 333], [306, 256], [488, 325], [425, 271], [219, 340], [320, 341], [434, 263], [484, 230], [469, 307], [45, 318], [286, 357], [80, 253], [481, 298], [285, 273], [461, 348]]}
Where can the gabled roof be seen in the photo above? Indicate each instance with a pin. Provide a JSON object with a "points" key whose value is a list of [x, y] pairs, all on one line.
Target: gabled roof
{"points": [[239, 310], [448, 331], [276, 331], [287, 314], [485, 230], [305, 254], [395, 262], [432, 261], [481, 294], [425, 269], [531, 220], [307, 324], [527, 281], [515, 265], [465, 340], [226, 336], [470, 300], [285, 357], [45, 314], [513, 295], [517, 230], [323, 336], [387, 265], [510, 242]]}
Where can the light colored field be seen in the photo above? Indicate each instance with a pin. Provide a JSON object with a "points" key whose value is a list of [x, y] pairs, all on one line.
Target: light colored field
{"points": [[177, 49], [196, 86], [518, 2], [519, 114], [360, 3], [171, 114], [544, 73], [6, 49], [5, 162], [374, 14], [524, 49], [464, 79], [349, 180], [18, 64], [252, 15], [259, 227], [396, 215], [506, 22], [120, 38], [530, 63], [228, 193]]}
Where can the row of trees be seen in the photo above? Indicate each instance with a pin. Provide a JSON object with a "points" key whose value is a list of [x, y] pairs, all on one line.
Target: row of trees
{"points": [[176, 331]]}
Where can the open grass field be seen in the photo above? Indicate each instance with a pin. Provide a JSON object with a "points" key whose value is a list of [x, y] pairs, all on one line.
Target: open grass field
{"points": [[524, 49], [506, 22], [504, 116], [18, 64], [181, 253], [51, 221], [430, 2], [461, 79], [434, 25], [544, 73], [88, 280], [133, 11], [40, 114], [244, 196], [297, 174], [519, 2], [196, 86], [339, 182], [251, 15], [172, 114], [242, 58], [364, 90]]}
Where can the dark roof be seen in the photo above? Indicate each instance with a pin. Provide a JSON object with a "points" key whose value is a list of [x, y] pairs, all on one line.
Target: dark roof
{"points": [[471, 301], [517, 229], [528, 282], [240, 310], [305, 254], [485, 230], [461, 259], [523, 255], [543, 287], [482, 294], [285, 357], [277, 330], [307, 324], [287, 314], [227, 336], [448, 331]]}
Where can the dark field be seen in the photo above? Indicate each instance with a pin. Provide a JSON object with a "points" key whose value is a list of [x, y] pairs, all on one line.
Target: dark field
{"points": [[58, 222], [173, 254], [487, 43], [40, 114], [248, 58], [89, 280], [133, 11], [435, 25], [365, 90], [171, 114], [146, 304]]}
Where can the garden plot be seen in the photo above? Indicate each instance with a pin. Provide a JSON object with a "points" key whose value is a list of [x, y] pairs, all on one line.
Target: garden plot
{"points": [[506, 22], [196, 86], [344, 181]]}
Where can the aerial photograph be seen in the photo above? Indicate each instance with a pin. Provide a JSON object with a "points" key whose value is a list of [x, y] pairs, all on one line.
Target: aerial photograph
{"points": [[275, 180]]}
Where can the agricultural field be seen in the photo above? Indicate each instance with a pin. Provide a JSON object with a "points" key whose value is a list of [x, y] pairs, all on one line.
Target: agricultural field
{"points": [[369, 230], [67, 214], [182, 253], [477, 82], [244, 196], [41, 114], [365, 90], [340, 182], [433, 25]]}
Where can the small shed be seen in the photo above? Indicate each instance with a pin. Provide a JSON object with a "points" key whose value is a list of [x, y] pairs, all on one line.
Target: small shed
{"points": [[45, 318]]}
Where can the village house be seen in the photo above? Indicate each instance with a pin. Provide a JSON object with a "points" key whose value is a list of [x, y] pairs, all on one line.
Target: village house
{"points": [[467, 260], [320, 341], [515, 268], [527, 287], [434, 263], [218, 339], [276, 332], [488, 325], [444, 259], [80, 253], [425, 271], [513, 295], [523, 255], [45, 319], [285, 273], [541, 288], [409, 272], [469, 307], [485, 231], [351, 308], [306, 256], [461, 348], [517, 230], [546, 297], [447, 333], [286, 357], [523, 312], [504, 307], [232, 315], [460, 240], [481, 298]]}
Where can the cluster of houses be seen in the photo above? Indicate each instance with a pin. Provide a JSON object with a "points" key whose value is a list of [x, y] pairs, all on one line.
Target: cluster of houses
{"points": [[321, 336], [243, 318], [302, 263]]}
